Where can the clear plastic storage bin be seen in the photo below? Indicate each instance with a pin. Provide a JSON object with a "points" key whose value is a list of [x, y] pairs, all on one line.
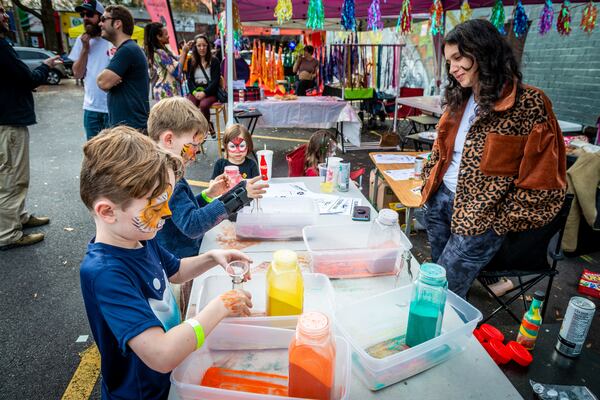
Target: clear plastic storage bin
{"points": [[318, 296], [383, 317], [253, 348], [280, 219], [341, 251]]}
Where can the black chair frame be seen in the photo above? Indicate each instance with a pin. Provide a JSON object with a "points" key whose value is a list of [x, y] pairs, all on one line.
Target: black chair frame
{"points": [[548, 271]]}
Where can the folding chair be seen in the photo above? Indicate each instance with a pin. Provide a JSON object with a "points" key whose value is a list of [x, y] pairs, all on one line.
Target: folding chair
{"points": [[525, 254]]}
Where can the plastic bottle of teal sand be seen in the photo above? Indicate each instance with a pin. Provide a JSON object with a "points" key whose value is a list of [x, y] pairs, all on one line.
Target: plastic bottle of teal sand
{"points": [[427, 305]]}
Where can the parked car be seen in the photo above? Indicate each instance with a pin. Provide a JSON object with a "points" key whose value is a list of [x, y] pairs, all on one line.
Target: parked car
{"points": [[34, 57]]}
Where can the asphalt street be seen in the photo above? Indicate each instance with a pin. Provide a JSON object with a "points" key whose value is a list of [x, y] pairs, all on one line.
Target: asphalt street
{"points": [[42, 311]]}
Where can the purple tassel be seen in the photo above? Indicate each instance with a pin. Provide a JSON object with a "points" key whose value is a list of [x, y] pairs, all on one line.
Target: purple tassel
{"points": [[520, 20], [374, 21], [546, 18]]}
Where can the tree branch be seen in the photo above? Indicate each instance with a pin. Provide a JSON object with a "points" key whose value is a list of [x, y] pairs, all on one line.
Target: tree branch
{"points": [[29, 10]]}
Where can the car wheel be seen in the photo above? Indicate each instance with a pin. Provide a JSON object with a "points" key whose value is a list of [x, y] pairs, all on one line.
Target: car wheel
{"points": [[53, 77]]}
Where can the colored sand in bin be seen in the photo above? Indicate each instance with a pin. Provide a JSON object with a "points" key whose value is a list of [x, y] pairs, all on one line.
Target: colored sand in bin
{"points": [[277, 307], [311, 374], [422, 324], [387, 347], [246, 381]]}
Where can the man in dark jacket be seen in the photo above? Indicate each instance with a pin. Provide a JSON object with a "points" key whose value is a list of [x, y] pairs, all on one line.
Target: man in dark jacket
{"points": [[16, 113]]}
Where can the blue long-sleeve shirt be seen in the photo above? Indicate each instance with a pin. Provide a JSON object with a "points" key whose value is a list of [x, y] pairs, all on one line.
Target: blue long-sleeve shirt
{"points": [[192, 218]]}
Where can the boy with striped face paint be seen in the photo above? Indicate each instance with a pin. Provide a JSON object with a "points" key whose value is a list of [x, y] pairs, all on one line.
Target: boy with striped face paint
{"points": [[126, 182], [179, 128]]}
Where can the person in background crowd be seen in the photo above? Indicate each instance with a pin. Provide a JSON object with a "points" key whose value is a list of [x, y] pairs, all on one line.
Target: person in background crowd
{"points": [[306, 68], [166, 70], [203, 76], [126, 76], [17, 112], [498, 163], [91, 54], [321, 145]]}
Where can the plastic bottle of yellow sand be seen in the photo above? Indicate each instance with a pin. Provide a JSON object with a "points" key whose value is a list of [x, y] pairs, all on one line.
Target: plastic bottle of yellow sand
{"points": [[285, 286]]}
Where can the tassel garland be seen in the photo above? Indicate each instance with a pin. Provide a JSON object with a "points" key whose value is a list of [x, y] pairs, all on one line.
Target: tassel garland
{"points": [[315, 16], [563, 23], [283, 11], [374, 21], [437, 18], [588, 19], [465, 11], [404, 24], [520, 21], [546, 18], [497, 18], [348, 16]]}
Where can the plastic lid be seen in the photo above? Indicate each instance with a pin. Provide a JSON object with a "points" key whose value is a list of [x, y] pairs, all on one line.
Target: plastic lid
{"points": [[478, 335], [313, 324], [285, 259], [387, 216], [499, 353], [232, 169], [519, 353], [432, 274], [489, 333], [539, 295], [333, 160]]}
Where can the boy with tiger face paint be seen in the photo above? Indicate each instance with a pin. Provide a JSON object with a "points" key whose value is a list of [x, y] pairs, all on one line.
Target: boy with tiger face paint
{"points": [[126, 182]]}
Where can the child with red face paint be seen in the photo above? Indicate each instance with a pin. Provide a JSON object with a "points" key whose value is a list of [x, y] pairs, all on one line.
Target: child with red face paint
{"points": [[238, 144]]}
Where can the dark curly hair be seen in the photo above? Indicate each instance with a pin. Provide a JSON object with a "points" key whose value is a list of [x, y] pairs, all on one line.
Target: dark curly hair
{"points": [[151, 43], [478, 40]]}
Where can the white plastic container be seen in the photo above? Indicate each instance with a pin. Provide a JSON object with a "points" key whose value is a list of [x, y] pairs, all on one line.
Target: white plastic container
{"points": [[363, 328], [280, 219], [261, 345], [342, 251], [318, 296]]}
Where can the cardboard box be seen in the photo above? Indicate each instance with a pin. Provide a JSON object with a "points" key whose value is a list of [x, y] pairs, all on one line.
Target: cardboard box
{"points": [[385, 196]]}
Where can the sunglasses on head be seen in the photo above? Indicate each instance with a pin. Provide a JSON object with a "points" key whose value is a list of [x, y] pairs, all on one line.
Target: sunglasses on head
{"points": [[89, 14]]}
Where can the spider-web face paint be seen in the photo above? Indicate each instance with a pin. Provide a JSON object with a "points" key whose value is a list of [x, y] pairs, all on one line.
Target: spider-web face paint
{"points": [[152, 217], [237, 145]]}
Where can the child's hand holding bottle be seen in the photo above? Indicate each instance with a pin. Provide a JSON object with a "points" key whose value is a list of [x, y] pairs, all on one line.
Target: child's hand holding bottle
{"points": [[218, 186]]}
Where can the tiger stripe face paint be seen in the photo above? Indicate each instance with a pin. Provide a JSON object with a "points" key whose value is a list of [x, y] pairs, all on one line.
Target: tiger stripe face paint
{"points": [[152, 217], [188, 151]]}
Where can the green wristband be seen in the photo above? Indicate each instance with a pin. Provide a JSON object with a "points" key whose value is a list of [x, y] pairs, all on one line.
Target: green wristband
{"points": [[206, 198], [199, 331]]}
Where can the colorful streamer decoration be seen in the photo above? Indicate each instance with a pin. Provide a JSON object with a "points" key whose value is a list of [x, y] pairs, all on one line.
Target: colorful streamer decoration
{"points": [[348, 15], [498, 18], [315, 16], [588, 19], [465, 11], [404, 24], [237, 25], [374, 21], [520, 21], [546, 18], [283, 11], [563, 23], [437, 18]]}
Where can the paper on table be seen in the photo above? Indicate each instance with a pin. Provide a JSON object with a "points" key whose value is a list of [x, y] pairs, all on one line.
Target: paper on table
{"points": [[394, 159], [400, 174], [289, 189], [327, 203]]}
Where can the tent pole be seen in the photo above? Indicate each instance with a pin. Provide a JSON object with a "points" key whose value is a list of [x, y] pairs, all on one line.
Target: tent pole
{"points": [[230, 64]]}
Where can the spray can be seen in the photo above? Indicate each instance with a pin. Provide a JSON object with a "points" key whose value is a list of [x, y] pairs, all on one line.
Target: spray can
{"points": [[575, 326], [343, 184]]}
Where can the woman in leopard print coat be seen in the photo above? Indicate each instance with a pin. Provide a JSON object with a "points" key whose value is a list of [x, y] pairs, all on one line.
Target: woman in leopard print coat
{"points": [[498, 163]]}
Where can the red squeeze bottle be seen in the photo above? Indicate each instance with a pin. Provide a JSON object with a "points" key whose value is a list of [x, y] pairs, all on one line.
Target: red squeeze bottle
{"points": [[263, 168]]}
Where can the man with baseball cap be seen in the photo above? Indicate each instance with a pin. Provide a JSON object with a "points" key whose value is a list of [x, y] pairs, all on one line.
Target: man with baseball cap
{"points": [[91, 54]]}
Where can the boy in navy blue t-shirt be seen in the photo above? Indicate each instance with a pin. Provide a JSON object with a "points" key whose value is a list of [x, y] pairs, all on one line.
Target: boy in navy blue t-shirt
{"points": [[126, 183]]}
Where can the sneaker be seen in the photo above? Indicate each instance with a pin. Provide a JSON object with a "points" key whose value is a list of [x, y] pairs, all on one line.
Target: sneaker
{"points": [[34, 221], [26, 240], [501, 287]]}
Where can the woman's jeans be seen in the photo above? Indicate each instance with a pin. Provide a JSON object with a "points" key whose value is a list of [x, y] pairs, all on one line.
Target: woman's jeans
{"points": [[462, 256]]}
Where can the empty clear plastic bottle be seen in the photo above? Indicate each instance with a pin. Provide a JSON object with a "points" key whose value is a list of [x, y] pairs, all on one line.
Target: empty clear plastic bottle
{"points": [[385, 234]]}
